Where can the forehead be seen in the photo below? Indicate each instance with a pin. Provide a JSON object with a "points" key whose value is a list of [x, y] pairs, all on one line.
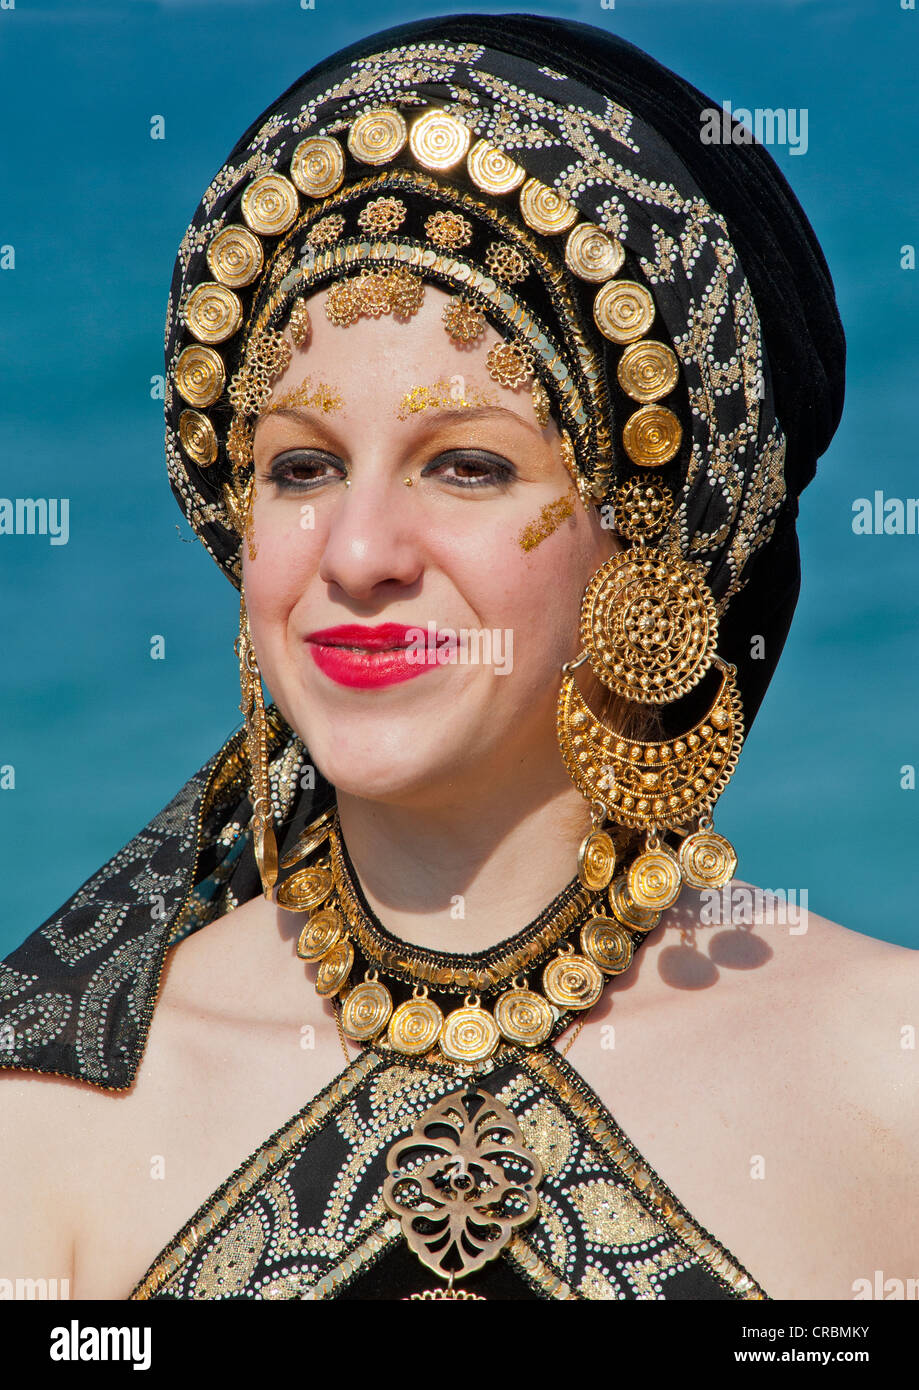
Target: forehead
{"points": [[378, 362]]}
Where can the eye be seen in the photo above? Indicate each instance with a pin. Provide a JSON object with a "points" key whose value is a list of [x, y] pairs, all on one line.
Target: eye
{"points": [[471, 468], [302, 469]]}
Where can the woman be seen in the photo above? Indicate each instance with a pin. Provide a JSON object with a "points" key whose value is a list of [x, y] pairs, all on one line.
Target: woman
{"points": [[493, 389]]}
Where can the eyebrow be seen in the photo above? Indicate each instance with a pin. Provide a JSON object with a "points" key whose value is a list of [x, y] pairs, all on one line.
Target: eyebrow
{"points": [[427, 418], [433, 417]]}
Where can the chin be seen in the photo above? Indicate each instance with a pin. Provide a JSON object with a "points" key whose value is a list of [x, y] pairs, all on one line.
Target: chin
{"points": [[387, 755]]}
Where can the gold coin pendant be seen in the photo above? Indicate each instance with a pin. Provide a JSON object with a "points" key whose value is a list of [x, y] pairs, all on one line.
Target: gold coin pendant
{"points": [[523, 1016], [654, 879], [607, 944], [596, 860], [707, 860], [629, 913], [305, 889], [469, 1034], [320, 934], [415, 1027], [572, 982], [366, 1010], [334, 968]]}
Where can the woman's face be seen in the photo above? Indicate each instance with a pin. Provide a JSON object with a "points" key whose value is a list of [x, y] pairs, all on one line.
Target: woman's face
{"points": [[343, 546]]}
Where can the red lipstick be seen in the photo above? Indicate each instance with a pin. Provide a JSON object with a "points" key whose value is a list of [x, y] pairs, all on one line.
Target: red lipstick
{"points": [[367, 657]]}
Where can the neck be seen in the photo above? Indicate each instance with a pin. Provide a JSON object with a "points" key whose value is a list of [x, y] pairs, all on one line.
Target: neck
{"points": [[470, 873]]}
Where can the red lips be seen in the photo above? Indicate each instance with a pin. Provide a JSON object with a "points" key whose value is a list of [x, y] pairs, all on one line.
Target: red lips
{"points": [[364, 657]]}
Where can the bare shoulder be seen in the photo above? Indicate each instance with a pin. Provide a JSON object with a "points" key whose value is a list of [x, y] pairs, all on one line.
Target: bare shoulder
{"points": [[847, 1005], [43, 1117]]}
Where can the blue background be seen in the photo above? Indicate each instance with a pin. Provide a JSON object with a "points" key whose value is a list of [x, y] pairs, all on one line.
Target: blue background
{"points": [[99, 734]]}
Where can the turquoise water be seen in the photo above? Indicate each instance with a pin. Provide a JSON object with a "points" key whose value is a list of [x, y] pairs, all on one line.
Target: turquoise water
{"points": [[101, 736]]}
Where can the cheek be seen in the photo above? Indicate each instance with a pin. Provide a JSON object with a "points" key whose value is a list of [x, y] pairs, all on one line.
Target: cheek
{"points": [[286, 559], [535, 593]]}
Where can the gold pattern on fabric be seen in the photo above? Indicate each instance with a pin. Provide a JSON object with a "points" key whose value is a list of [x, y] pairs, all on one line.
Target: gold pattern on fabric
{"points": [[229, 1263], [611, 1215]]}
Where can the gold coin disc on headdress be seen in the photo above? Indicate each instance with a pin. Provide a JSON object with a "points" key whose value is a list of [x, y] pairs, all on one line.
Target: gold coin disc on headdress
{"points": [[623, 310], [415, 1026], [607, 944], [317, 166], [438, 140], [200, 375], [629, 913], [270, 204], [492, 170], [652, 436], [593, 254], [707, 860], [649, 626], [654, 879], [648, 370], [198, 436], [334, 968], [596, 860], [366, 1010], [376, 137], [320, 934], [305, 889], [545, 210], [235, 257], [469, 1034], [212, 312], [524, 1017], [572, 981]]}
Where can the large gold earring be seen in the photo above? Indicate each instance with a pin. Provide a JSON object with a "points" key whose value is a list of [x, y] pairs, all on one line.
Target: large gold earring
{"points": [[648, 628], [252, 707]]}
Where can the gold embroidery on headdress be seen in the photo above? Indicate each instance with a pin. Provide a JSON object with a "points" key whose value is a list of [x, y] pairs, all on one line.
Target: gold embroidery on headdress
{"points": [[448, 230], [327, 230], [299, 321], [506, 263], [463, 321], [382, 215], [391, 290], [509, 364]]}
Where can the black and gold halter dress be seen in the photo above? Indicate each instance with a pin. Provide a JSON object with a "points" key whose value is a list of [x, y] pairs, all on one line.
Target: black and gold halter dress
{"points": [[575, 1209]]}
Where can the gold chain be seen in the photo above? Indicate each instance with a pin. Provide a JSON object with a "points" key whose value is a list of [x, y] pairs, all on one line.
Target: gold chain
{"points": [[570, 1043], [341, 1032]]}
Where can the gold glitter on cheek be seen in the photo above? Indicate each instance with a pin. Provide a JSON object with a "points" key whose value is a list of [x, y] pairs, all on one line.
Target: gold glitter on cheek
{"points": [[314, 396], [443, 395], [549, 520]]}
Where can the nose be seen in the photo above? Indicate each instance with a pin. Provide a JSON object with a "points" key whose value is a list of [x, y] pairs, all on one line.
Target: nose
{"points": [[374, 536]]}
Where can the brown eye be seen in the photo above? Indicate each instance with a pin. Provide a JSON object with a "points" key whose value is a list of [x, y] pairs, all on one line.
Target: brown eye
{"points": [[304, 469], [471, 468]]}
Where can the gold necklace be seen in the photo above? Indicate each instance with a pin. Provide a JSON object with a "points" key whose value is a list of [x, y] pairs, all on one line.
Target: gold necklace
{"points": [[572, 981]]}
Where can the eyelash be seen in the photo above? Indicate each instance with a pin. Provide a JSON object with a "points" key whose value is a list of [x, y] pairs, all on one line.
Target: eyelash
{"points": [[500, 474]]}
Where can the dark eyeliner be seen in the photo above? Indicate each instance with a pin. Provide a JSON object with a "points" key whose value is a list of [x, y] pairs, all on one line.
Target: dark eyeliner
{"points": [[500, 473], [302, 456]]}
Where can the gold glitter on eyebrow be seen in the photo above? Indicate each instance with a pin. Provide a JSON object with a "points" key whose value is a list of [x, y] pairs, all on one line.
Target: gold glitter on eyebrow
{"points": [[314, 397], [443, 395], [549, 520]]}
